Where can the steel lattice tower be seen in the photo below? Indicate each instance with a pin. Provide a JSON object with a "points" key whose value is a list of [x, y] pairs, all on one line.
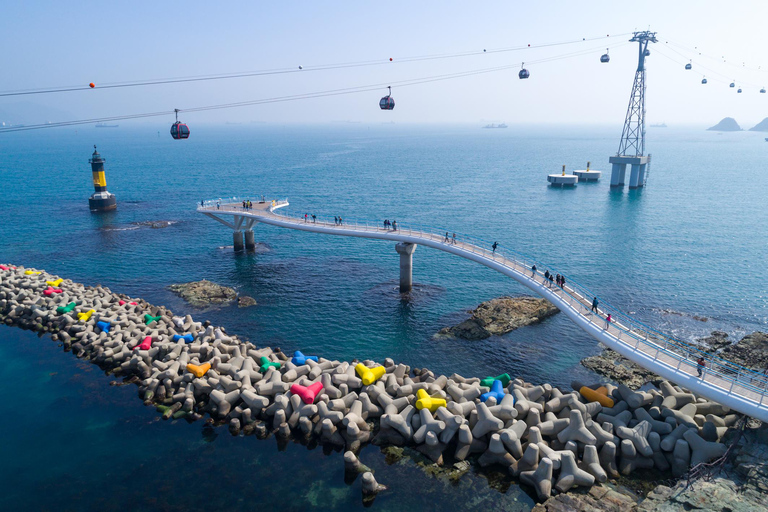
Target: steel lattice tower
{"points": [[632, 145]]}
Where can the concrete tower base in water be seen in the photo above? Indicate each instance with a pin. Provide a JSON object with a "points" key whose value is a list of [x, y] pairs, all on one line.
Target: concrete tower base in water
{"points": [[619, 170]]}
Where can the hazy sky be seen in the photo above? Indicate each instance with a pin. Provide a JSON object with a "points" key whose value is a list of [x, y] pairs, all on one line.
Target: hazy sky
{"points": [[72, 43]]}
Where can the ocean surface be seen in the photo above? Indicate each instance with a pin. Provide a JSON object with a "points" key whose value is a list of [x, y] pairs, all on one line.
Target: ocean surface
{"points": [[686, 255]]}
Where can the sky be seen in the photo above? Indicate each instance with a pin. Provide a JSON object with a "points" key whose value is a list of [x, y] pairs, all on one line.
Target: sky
{"points": [[51, 44]]}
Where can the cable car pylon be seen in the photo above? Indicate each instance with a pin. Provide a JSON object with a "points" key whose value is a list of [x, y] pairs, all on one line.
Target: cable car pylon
{"points": [[632, 146]]}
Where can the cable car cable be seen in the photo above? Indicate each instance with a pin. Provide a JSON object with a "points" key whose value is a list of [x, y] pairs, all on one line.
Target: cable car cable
{"points": [[301, 69]]}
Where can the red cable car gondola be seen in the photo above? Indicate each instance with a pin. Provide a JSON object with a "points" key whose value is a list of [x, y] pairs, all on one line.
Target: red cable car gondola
{"points": [[387, 102], [178, 129]]}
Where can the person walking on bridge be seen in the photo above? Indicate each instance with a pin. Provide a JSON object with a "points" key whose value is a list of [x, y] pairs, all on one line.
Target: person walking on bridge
{"points": [[533, 270], [594, 305], [341, 222], [306, 218], [550, 280], [607, 321], [394, 225], [546, 275], [494, 246], [562, 282], [314, 218], [454, 239], [700, 366], [447, 240]]}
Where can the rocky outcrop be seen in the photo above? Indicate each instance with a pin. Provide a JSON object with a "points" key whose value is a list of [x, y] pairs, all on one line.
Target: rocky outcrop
{"points": [[600, 498], [728, 124], [245, 301], [751, 351], [500, 316], [618, 368], [762, 126], [204, 293]]}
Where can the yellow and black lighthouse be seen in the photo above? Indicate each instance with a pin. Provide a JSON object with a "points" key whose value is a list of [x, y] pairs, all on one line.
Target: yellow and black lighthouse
{"points": [[101, 200]]}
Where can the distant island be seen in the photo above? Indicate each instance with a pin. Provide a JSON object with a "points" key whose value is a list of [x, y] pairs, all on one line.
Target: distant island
{"points": [[661, 125], [501, 125], [762, 126], [728, 124]]}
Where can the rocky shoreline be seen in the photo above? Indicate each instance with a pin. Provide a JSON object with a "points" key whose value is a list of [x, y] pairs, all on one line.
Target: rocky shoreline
{"points": [[751, 352], [500, 316], [550, 440]]}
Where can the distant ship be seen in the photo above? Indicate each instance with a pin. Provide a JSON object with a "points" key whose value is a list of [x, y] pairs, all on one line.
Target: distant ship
{"points": [[102, 125], [502, 125], [662, 125]]}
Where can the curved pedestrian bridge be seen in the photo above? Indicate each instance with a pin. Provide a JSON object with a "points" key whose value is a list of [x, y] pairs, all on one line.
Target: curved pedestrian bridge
{"points": [[739, 388]]}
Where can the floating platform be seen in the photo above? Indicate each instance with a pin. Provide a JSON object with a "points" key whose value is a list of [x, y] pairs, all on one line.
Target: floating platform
{"points": [[588, 175], [562, 180]]}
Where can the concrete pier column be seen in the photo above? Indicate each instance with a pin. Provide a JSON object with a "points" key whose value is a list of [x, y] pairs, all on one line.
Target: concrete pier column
{"points": [[405, 250], [617, 174], [634, 177], [637, 178], [237, 240], [250, 245]]}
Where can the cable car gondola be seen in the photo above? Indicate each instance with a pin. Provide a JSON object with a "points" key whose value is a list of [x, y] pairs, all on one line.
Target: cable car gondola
{"points": [[647, 52], [762, 91], [178, 129], [739, 91], [605, 57], [688, 66], [733, 84], [704, 80], [523, 74], [387, 102]]}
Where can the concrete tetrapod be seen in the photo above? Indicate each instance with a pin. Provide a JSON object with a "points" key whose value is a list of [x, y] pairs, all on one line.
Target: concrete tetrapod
{"points": [[571, 475], [370, 486], [576, 430], [540, 480], [638, 436], [528, 462], [674, 399], [486, 422], [681, 458], [592, 463], [701, 450], [496, 454], [631, 460], [607, 459]]}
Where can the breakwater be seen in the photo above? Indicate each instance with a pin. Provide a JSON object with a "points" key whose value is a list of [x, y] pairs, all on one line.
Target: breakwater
{"points": [[549, 439]]}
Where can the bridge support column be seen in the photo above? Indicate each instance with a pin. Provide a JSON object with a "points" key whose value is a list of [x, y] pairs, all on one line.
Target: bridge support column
{"points": [[237, 240], [250, 245], [405, 250]]}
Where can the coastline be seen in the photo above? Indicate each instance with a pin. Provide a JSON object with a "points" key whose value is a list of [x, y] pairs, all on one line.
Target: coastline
{"points": [[232, 391]]}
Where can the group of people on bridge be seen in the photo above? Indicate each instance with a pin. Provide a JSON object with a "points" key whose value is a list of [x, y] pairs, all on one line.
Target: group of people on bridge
{"points": [[247, 204], [390, 224]]}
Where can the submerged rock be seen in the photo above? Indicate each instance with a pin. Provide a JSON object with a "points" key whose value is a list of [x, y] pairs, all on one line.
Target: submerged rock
{"points": [[618, 368], [500, 316], [204, 293], [245, 301]]}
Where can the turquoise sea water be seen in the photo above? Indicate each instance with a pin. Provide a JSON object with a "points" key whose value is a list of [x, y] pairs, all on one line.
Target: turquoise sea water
{"points": [[692, 243]]}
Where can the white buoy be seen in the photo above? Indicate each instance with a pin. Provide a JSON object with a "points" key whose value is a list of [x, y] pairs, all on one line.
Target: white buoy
{"points": [[562, 180], [588, 174]]}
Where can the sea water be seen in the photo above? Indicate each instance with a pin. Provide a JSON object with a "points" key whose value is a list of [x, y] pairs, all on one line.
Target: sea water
{"points": [[685, 255]]}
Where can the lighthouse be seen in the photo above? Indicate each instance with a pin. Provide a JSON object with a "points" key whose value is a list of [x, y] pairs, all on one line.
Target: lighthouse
{"points": [[101, 200]]}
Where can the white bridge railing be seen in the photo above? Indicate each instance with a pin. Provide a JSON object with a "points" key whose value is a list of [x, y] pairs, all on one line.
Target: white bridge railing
{"points": [[656, 347]]}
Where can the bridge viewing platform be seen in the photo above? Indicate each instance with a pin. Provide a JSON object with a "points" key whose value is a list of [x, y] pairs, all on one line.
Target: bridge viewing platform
{"points": [[742, 389]]}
